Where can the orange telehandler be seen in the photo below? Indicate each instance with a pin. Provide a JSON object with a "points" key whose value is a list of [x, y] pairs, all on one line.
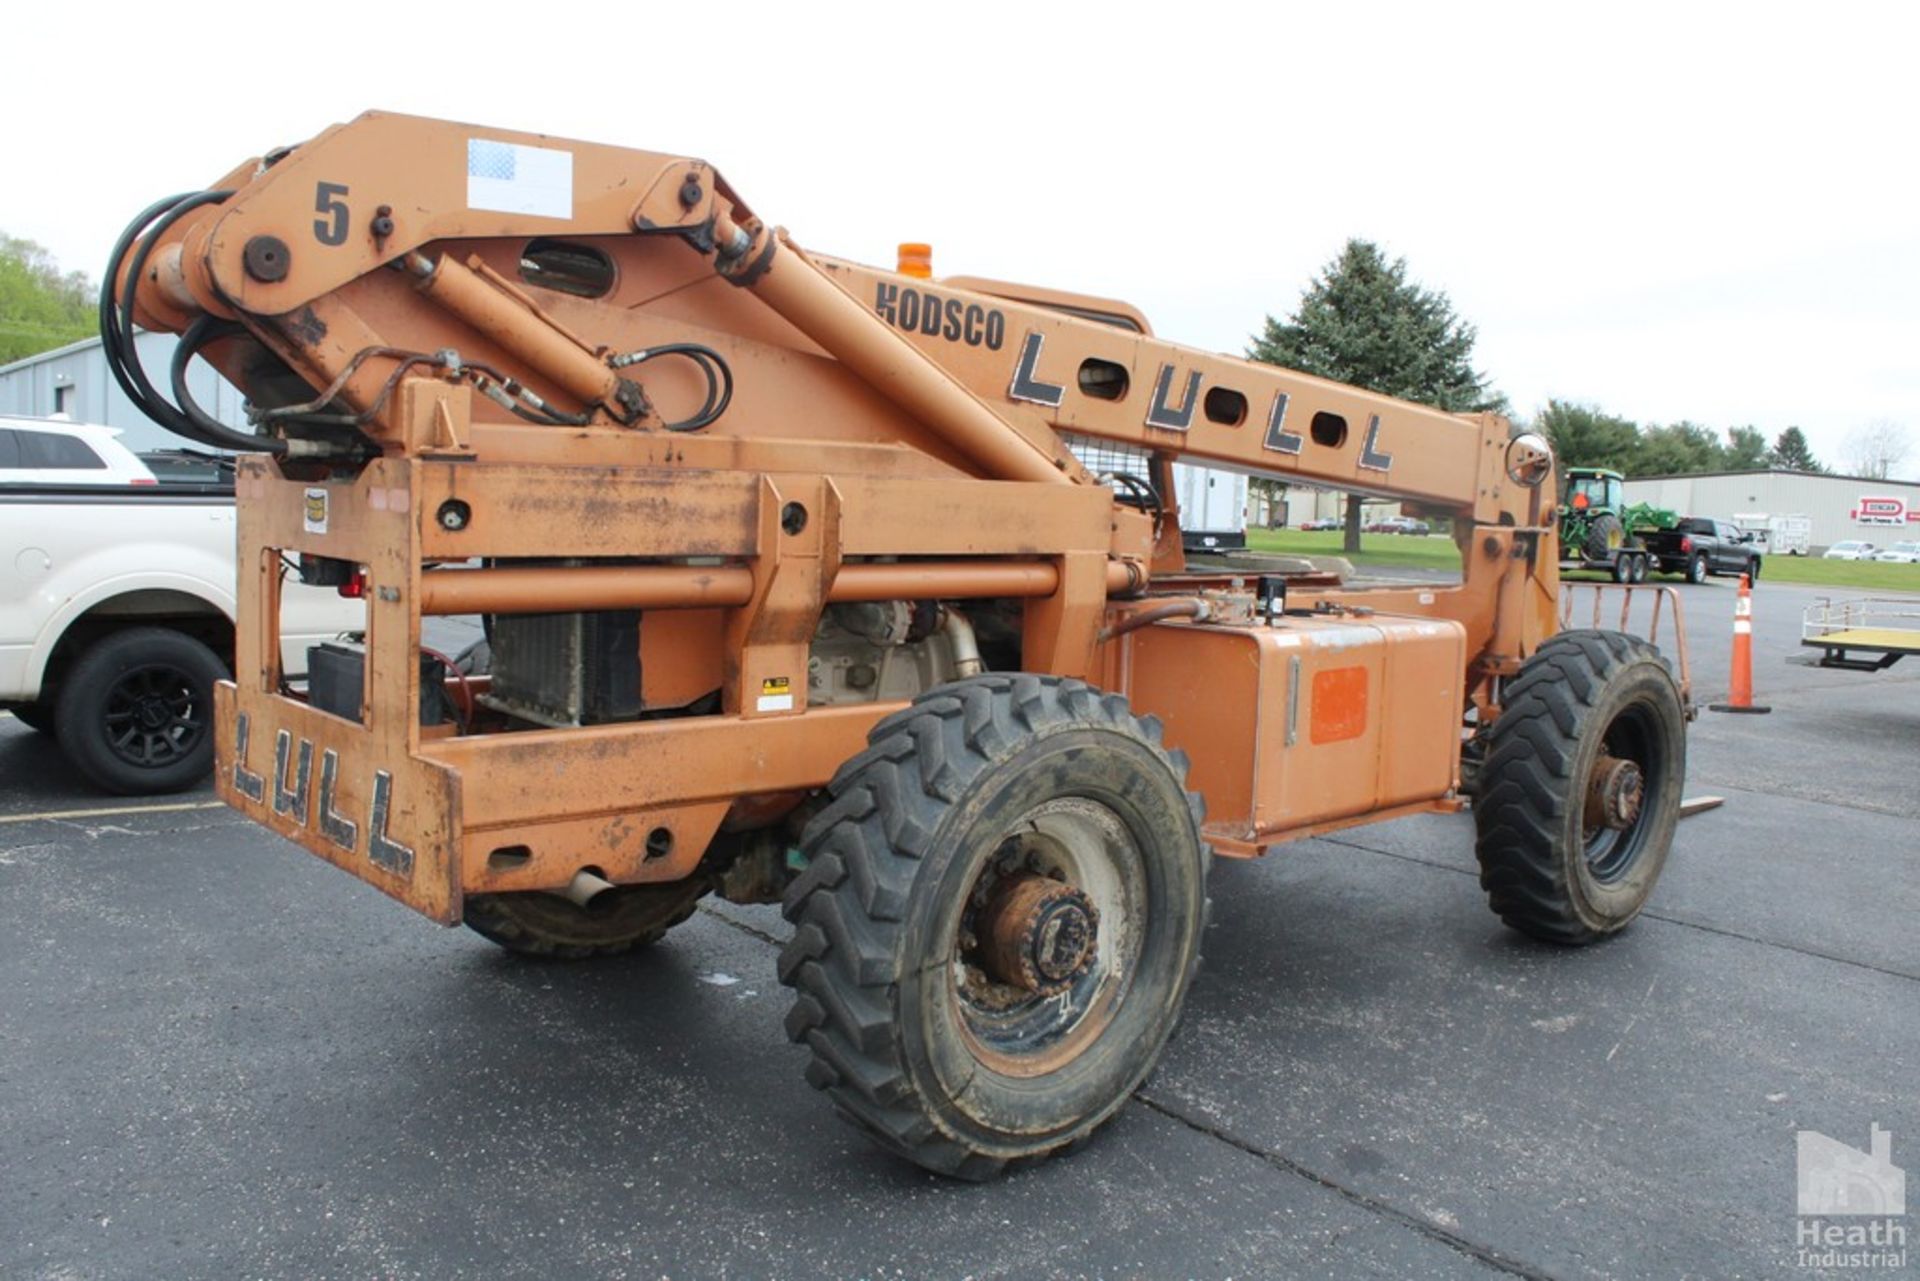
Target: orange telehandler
{"points": [[851, 589]]}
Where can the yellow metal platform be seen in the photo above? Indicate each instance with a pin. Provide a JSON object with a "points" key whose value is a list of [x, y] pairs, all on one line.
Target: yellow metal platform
{"points": [[1891, 639]]}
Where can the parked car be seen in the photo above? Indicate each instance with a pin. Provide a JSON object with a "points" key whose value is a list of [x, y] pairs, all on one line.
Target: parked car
{"points": [[1402, 525], [49, 451], [1901, 554], [1698, 546], [117, 617], [1322, 523], [1849, 549]]}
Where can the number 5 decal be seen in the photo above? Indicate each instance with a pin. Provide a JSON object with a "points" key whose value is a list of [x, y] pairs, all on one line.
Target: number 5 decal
{"points": [[332, 228]]}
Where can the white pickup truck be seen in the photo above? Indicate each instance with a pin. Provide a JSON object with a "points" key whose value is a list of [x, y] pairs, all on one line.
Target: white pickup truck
{"points": [[116, 615]]}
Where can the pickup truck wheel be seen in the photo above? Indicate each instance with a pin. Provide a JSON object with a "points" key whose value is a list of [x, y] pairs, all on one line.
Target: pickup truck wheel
{"points": [[1578, 798], [1697, 568], [1753, 571], [136, 711], [1001, 914], [548, 926], [35, 716]]}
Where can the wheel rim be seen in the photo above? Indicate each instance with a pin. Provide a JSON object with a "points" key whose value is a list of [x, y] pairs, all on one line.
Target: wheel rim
{"points": [[1616, 813], [154, 716], [1067, 865]]}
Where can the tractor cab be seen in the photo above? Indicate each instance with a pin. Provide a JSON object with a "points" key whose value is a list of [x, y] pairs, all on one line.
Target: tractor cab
{"points": [[1593, 489]]}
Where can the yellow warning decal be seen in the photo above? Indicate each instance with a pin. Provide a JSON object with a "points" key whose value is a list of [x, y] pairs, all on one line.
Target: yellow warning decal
{"points": [[776, 695]]}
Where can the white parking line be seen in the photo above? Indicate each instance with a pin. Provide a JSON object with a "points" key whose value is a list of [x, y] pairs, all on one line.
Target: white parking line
{"points": [[110, 811]]}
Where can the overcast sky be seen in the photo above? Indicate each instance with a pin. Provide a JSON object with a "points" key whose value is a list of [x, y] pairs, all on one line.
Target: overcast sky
{"points": [[1673, 211]]}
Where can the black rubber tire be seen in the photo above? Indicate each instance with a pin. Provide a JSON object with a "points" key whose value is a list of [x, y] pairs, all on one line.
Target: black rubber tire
{"points": [[876, 959], [553, 928], [35, 716], [1580, 691], [1623, 568], [1697, 568], [1605, 535], [113, 685], [1753, 571], [1641, 568]]}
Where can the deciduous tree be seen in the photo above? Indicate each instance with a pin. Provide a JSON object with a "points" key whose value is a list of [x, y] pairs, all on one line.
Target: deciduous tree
{"points": [[1587, 436], [40, 307], [1878, 449], [1745, 450]]}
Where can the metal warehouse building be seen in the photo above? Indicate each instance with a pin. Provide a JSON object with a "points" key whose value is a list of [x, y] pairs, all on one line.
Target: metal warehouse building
{"points": [[1838, 507], [73, 380]]}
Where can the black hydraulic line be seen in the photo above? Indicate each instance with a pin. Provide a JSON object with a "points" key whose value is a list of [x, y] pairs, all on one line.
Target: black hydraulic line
{"points": [[712, 365], [202, 331], [109, 323], [122, 352]]}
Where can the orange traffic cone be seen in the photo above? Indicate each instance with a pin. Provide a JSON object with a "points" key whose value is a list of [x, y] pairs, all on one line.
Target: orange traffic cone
{"points": [[1740, 696]]}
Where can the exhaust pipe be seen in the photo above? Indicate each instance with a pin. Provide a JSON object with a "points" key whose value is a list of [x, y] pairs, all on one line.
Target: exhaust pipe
{"points": [[584, 888]]}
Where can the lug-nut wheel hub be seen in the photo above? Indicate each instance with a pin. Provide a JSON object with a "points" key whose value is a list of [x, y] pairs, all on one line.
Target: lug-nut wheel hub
{"points": [[1037, 934], [1615, 791]]}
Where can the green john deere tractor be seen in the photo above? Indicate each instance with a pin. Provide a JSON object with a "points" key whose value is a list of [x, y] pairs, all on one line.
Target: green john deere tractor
{"points": [[1597, 526]]}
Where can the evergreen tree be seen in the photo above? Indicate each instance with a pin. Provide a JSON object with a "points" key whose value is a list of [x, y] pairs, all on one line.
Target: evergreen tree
{"points": [[1362, 322], [1791, 451]]}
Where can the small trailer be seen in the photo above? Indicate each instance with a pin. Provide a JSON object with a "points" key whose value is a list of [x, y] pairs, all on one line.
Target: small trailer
{"points": [[1866, 635]]}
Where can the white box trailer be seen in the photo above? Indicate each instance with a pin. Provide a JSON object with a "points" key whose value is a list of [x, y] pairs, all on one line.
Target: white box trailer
{"points": [[1213, 507], [1778, 535]]}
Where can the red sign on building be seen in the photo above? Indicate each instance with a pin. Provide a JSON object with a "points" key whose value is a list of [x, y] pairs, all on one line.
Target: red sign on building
{"points": [[1885, 511]]}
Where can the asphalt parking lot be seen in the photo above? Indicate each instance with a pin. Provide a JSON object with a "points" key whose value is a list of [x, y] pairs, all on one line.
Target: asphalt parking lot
{"points": [[221, 1058]]}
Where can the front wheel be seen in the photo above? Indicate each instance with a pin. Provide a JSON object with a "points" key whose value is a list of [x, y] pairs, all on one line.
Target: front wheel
{"points": [[1577, 801], [1753, 571], [999, 920]]}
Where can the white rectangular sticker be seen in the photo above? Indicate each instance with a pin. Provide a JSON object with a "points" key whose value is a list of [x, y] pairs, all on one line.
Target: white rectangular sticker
{"points": [[509, 177], [774, 703]]}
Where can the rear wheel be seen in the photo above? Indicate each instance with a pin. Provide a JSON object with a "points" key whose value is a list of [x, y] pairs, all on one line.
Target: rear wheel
{"points": [[536, 923], [1697, 568], [1000, 917], [136, 711], [1640, 569], [1605, 536], [1578, 798]]}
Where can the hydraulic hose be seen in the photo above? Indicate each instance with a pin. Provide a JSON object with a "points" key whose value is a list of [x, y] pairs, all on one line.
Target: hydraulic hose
{"points": [[117, 335]]}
